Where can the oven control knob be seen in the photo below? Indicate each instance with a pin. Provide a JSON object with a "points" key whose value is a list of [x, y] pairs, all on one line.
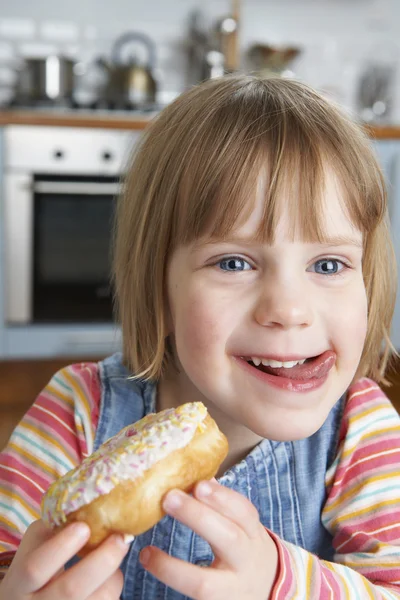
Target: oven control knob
{"points": [[107, 155], [58, 154]]}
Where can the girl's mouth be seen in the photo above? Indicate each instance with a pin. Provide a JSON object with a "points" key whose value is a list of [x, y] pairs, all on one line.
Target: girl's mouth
{"points": [[315, 367]]}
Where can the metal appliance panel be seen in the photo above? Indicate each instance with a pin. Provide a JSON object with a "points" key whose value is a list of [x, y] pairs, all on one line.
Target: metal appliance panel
{"points": [[18, 216]]}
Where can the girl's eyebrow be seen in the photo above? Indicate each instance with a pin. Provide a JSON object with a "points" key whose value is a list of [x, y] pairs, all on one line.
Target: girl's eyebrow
{"points": [[337, 240], [234, 239], [342, 240]]}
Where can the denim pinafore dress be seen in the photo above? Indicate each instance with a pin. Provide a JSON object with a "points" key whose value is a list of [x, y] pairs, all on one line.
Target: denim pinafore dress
{"points": [[284, 480]]}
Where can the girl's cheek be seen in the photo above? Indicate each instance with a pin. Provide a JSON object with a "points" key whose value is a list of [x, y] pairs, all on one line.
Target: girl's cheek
{"points": [[200, 334], [203, 325], [353, 321]]}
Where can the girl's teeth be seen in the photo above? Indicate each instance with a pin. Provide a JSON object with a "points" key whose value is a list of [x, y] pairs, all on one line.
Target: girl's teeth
{"points": [[276, 363]]}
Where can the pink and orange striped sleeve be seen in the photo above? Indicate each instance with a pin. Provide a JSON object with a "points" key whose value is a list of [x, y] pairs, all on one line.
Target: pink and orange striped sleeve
{"points": [[362, 511], [54, 436]]}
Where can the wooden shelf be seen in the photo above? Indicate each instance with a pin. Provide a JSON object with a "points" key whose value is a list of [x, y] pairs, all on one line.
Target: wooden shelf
{"points": [[388, 132], [76, 119]]}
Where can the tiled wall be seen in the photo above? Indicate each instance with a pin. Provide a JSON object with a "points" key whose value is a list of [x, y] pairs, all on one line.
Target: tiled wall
{"points": [[337, 36]]}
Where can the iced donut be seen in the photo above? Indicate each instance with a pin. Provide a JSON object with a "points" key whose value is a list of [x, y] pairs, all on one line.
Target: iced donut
{"points": [[119, 488]]}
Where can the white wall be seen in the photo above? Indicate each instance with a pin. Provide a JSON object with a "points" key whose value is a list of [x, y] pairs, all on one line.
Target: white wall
{"points": [[336, 35]]}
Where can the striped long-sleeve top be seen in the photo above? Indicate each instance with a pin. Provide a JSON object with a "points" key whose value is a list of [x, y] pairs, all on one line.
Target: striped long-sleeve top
{"points": [[362, 508]]}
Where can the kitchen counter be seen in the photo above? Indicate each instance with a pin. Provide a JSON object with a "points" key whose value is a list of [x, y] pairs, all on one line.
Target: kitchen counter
{"points": [[383, 132], [101, 119], [104, 119]]}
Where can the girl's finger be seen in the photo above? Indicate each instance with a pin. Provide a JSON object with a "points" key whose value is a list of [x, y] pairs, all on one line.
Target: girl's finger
{"points": [[112, 588], [231, 504], [226, 538], [88, 575], [190, 580], [42, 554], [36, 534]]}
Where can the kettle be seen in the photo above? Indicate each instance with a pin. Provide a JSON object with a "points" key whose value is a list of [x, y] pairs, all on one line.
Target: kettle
{"points": [[130, 84]]}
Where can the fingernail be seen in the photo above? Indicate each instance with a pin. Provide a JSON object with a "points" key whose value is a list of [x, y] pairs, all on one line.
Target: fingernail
{"points": [[120, 540], [204, 489], [80, 530], [145, 557], [172, 501], [128, 538]]}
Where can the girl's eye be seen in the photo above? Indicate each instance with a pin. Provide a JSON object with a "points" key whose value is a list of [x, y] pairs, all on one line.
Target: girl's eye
{"points": [[328, 266], [234, 263]]}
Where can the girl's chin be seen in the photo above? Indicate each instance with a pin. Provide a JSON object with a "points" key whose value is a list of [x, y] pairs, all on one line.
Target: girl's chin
{"points": [[286, 426]]}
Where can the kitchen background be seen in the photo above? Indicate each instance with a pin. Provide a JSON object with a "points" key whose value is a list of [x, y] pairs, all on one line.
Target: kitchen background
{"points": [[79, 82], [338, 38]]}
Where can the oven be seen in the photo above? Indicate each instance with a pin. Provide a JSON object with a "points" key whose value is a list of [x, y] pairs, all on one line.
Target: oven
{"points": [[60, 190]]}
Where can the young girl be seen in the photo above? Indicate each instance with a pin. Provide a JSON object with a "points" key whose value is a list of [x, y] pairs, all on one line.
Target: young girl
{"points": [[253, 272]]}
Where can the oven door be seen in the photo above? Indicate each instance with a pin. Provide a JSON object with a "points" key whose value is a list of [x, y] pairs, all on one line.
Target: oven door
{"points": [[66, 251]]}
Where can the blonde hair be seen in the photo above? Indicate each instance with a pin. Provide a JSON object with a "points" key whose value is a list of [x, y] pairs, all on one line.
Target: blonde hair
{"points": [[196, 173]]}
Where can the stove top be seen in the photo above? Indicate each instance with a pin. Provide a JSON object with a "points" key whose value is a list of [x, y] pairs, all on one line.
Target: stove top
{"points": [[68, 105]]}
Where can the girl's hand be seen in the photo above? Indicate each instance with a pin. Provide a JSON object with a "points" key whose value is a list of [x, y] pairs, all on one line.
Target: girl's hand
{"points": [[37, 571], [246, 557]]}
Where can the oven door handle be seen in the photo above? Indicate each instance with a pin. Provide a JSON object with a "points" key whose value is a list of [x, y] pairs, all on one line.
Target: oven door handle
{"points": [[77, 188]]}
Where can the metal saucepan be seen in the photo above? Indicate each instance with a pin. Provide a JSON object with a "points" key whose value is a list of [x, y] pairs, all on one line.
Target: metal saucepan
{"points": [[45, 79]]}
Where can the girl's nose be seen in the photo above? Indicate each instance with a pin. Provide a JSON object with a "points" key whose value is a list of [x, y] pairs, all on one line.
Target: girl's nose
{"points": [[284, 306]]}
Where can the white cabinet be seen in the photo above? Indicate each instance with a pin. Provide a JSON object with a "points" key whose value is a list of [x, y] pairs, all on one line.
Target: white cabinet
{"points": [[389, 156]]}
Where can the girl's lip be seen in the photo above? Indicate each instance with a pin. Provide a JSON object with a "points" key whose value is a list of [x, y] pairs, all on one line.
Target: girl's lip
{"points": [[308, 377], [289, 358], [316, 367]]}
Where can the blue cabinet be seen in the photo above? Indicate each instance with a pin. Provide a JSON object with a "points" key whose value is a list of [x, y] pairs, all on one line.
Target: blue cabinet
{"points": [[389, 155], [2, 342], [46, 341]]}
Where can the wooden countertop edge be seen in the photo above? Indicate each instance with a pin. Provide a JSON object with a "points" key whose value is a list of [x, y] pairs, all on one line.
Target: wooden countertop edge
{"points": [[114, 121], [383, 132]]}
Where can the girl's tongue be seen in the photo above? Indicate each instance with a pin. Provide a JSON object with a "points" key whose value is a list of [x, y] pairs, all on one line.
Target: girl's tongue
{"points": [[313, 368]]}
